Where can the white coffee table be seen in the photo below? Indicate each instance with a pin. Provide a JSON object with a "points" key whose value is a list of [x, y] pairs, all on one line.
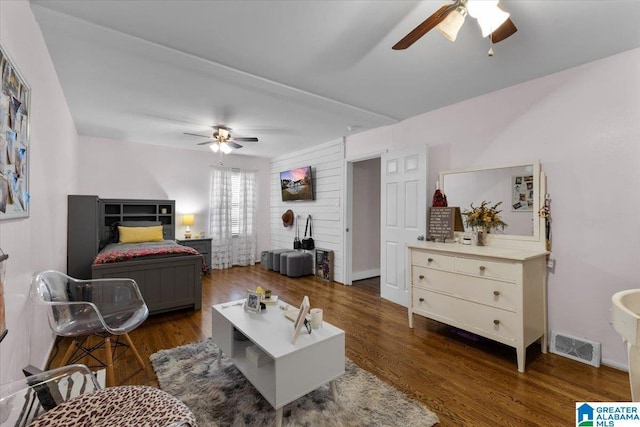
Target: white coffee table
{"points": [[287, 371]]}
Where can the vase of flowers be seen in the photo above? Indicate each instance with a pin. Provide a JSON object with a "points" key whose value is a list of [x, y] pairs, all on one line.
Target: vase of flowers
{"points": [[481, 219]]}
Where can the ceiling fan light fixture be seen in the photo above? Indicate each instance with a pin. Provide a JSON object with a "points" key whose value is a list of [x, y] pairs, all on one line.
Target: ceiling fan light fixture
{"points": [[214, 147], [224, 147], [488, 13], [451, 25]]}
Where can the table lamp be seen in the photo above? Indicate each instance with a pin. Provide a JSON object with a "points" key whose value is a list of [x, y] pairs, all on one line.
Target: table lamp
{"points": [[187, 219]]}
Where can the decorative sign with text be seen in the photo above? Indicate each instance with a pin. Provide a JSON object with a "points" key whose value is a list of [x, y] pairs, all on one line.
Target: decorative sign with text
{"points": [[442, 222]]}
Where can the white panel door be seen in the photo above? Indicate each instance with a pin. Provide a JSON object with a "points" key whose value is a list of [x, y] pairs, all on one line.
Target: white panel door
{"points": [[403, 217]]}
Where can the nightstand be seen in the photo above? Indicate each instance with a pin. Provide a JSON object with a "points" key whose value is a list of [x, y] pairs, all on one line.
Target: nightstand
{"points": [[202, 245]]}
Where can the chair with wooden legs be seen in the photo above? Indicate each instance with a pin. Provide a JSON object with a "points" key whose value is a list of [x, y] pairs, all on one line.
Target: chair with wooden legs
{"points": [[83, 309]]}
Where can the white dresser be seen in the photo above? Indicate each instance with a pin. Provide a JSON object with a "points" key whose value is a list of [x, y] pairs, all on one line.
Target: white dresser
{"points": [[498, 293]]}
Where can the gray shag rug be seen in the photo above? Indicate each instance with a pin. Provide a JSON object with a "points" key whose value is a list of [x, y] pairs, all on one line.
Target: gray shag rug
{"points": [[221, 396]]}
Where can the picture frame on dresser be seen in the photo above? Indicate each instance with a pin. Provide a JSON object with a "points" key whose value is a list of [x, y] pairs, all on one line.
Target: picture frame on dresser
{"points": [[15, 103]]}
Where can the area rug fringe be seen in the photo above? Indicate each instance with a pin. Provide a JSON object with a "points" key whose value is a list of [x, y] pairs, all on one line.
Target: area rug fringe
{"points": [[221, 396]]}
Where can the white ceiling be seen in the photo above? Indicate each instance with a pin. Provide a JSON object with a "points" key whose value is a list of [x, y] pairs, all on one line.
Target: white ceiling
{"points": [[299, 73]]}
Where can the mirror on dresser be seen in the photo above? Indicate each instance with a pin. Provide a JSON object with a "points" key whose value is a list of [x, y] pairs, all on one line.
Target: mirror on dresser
{"points": [[520, 188]]}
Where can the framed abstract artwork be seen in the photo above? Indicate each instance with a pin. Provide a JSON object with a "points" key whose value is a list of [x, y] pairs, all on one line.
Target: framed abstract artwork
{"points": [[15, 97]]}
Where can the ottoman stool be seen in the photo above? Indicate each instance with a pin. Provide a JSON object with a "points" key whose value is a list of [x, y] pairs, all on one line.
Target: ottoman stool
{"points": [[299, 264], [283, 262], [264, 259], [275, 258]]}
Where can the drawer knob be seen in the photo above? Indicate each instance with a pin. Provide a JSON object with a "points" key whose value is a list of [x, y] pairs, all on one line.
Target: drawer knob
{"points": [[496, 293], [421, 276], [483, 268], [429, 259], [496, 322], [421, 299]]}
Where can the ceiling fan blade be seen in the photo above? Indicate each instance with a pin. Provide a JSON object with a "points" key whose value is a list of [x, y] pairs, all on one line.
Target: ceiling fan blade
{"points": [[206, 142], [195, 134], [233, 144], [425, 27], [503, 31], [245, 139]]}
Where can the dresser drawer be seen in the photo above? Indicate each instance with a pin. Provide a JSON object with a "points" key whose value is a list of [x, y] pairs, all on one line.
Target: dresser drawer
{"points": [[503, 270], [485, 291], [432, 260], [489, 322], [434, 305]]}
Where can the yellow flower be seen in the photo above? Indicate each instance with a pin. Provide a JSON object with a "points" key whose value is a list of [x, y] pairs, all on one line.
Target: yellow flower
{"points": [[485, 215]]}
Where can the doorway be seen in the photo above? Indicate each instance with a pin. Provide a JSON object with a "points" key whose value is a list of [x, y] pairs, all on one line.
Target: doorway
{"points": [[364, 219]]}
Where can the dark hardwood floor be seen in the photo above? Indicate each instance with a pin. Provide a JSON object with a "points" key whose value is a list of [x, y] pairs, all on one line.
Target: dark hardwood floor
{"points": [[464, 381]]}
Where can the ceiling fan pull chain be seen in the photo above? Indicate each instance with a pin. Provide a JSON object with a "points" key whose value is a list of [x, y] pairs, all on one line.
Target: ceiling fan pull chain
{"points": [[490, 53]]}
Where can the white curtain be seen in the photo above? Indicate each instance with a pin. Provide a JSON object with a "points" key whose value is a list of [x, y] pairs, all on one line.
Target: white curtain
{"points": [[247, 236], [220, 219]]}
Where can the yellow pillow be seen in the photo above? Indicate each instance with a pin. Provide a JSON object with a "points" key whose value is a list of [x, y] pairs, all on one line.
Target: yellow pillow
{"points": [[140, 234]]}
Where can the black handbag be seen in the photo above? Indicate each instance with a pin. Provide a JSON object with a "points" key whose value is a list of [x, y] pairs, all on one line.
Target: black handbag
{"points": [[297, 244], [307, 242]]}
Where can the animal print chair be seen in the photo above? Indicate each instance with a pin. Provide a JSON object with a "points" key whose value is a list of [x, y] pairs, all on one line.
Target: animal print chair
{"points": [[70, 396]]}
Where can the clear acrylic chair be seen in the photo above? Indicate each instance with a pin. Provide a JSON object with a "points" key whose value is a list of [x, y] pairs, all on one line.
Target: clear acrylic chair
{"points": [[71, 396], [83, 309]]}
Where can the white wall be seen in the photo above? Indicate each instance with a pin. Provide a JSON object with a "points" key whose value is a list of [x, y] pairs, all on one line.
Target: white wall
{"points": [[38, 242], [582, 124], [117, 169], [366, 219], [327, 167]]}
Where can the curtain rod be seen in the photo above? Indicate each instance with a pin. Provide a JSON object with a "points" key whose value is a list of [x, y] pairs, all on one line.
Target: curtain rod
{"points": [[234, 169]]}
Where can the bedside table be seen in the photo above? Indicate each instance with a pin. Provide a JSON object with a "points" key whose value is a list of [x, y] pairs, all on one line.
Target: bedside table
{"points": [[202, 245]]}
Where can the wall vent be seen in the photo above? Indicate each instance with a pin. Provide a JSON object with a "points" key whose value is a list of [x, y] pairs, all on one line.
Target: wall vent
{"points": [[575, 348]]}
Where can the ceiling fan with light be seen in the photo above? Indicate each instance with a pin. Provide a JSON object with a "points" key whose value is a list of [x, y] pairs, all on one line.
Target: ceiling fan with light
{"points": [[221, 140], [493, 19]]}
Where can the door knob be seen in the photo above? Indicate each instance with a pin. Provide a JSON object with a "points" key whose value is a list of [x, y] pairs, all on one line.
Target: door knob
{"points": [[421, 237]]}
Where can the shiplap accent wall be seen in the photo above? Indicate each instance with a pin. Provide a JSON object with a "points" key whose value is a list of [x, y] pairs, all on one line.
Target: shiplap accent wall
{"points": [[327, 170]]}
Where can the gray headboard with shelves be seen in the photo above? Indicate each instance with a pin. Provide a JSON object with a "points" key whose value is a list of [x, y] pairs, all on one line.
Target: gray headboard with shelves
{"points": [[115, 211]]}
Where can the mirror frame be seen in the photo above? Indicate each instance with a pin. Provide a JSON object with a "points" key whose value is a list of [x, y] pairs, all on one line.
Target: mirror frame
{"points": [[538, 239]]}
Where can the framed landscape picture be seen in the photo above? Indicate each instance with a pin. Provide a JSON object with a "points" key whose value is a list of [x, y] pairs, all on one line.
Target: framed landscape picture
{"points": [[15, 97]]}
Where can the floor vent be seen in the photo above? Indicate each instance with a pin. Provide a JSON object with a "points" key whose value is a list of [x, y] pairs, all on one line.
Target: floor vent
{"points": [[575, 348]]}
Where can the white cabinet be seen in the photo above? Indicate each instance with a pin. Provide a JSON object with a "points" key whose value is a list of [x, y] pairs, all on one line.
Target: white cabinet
{"points": [[494, 292]]}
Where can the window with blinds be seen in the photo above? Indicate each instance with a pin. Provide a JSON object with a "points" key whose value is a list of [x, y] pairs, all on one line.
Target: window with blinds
{"points": [[235, 202]]}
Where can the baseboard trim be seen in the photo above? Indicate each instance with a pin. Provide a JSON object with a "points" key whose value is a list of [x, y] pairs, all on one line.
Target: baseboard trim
{"points": [[366, 274], [615, 365]]}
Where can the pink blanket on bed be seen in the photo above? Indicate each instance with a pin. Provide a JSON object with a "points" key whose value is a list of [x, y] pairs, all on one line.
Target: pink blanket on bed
{"points": [[128, 254]]}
